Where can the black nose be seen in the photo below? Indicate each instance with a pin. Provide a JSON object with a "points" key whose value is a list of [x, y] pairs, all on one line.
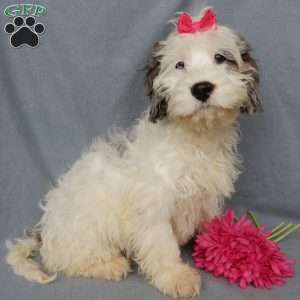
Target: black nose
{"points": [[202, 90]]}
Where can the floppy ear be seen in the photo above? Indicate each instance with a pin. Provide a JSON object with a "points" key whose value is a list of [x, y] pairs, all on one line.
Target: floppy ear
{"points": [[249, 67], [158, 104]]}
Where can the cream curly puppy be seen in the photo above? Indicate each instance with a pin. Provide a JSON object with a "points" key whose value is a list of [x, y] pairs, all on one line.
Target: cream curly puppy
{"points": [[143, 193]]}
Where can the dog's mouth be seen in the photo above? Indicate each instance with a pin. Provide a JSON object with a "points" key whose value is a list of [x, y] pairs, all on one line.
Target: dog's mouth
{"points": [[205, 106]]}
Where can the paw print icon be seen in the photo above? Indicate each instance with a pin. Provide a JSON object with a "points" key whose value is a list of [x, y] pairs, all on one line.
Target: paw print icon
{"points": [[24, 31]]}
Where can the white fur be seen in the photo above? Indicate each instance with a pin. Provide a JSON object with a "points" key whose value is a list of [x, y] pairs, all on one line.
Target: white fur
{"points": [[142, 194]]}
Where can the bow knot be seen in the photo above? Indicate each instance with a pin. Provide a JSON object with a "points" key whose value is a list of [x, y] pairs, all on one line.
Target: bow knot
{"points": [[185, 23]]}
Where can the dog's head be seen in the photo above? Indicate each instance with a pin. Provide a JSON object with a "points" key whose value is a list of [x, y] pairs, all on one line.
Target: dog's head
{"points": [[202, 70]]}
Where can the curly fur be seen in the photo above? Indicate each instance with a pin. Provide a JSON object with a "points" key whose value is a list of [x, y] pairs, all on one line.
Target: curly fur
{"points": [[143, 193]]}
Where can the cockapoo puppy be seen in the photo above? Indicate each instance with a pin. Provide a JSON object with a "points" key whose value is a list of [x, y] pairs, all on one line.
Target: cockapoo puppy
{"points": [[144, 193]]}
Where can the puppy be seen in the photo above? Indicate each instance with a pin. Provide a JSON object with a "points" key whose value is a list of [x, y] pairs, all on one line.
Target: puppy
{"points": [[143, 193]]}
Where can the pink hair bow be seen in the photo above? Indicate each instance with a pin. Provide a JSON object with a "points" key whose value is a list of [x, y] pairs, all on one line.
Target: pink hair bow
{"points": [[185, 23]]}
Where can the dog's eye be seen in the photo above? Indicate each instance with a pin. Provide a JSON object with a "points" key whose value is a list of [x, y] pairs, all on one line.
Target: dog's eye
{"points": [[219, 58], [180, 65]]}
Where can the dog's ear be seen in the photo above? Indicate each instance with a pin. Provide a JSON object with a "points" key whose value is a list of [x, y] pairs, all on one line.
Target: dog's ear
{"points": [[158, 103], [250, 69]]}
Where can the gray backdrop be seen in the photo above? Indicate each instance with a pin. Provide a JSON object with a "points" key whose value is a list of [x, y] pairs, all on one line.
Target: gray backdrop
{"points": [[85, 76]]}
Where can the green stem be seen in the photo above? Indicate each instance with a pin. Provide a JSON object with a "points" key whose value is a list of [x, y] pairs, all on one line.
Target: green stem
{"points": [[253, 218], [277, 227], [281, 231], [288, 232]]}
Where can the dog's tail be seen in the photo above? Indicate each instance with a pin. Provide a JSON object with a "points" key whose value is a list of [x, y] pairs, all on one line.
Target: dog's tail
{"points": [[20, 258]]}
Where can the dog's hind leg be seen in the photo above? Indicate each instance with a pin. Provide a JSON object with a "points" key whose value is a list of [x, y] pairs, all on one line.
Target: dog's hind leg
{"points": [[113, 268]]}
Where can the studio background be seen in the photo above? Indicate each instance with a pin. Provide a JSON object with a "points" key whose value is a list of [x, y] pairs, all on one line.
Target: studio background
{"points": [[85, 76]]}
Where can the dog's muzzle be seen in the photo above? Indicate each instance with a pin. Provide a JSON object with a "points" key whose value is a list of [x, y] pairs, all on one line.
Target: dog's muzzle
{"points": [[202, 90]]}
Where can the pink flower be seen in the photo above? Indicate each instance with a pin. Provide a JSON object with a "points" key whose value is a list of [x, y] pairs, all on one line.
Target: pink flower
{"points": [[241, 252]]}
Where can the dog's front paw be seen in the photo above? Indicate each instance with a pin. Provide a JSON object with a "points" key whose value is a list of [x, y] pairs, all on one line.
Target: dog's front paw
{"points": [[181, 281]]}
